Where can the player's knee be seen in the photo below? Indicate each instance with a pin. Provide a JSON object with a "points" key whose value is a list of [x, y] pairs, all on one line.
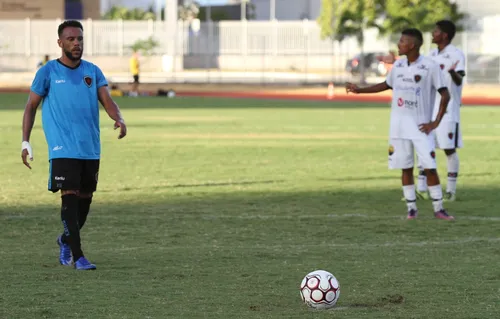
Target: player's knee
{"points": [[69, 192], [408, 171], [449, 152], [85, 195], [430, 172]]}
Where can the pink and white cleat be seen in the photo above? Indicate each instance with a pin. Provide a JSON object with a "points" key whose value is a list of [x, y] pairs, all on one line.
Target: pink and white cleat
{"points": [[412, 214], [443, 214]]}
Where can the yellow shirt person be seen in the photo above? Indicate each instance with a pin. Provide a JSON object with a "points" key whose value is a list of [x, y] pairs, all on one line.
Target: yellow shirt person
{"points": [[134, 70]]}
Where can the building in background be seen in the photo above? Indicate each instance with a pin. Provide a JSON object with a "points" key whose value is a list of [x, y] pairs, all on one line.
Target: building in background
{"points": [[49, 9], [287, 9], [310, 9]]}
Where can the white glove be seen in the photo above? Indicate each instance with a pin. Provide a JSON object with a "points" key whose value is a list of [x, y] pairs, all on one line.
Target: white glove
{"points": [[26, 146]]}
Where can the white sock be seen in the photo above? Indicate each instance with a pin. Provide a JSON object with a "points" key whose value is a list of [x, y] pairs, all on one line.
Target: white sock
{"points": [[453, 166], [410, 196], [422, 182], [436, 194]]}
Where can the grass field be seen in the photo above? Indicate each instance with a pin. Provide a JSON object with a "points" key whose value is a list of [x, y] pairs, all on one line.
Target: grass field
{"points": [[216, 208]]}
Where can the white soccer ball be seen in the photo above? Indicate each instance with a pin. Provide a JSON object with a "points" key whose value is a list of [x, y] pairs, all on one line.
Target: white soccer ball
{"points": [[320, 289]]}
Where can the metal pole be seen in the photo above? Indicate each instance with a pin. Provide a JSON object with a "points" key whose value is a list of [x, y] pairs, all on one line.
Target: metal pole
{"points": [[158, 10], [272, 10], [208, 54], [243, 10]]}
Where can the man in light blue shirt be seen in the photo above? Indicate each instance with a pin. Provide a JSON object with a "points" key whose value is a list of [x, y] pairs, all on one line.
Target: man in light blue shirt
{"points": [[71, 89]]}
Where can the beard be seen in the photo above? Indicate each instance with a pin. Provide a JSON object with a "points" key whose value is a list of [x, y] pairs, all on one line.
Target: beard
{"points": [[73, 56]]}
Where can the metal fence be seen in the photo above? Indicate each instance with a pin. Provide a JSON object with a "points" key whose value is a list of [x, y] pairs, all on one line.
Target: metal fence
{"points": [[266, 47]]}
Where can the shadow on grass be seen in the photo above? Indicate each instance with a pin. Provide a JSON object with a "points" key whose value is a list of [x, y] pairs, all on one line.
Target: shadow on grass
{"points": [[226, 202]]}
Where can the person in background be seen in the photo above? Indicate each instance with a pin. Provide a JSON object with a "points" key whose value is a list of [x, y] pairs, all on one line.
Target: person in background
{"points": [[135, 70], [44, 61]]}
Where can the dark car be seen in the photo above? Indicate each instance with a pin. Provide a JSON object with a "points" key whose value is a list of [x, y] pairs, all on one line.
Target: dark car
{"points": [[374, 64]]}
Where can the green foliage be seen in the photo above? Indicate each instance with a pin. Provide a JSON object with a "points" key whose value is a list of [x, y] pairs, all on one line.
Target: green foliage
{"points": [[123, 13], [146, 47], [420, 14], [216, 14], [189, 11], [344, 18]]}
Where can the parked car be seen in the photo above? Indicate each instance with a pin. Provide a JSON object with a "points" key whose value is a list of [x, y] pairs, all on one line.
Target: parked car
{"points": [[374, 64]]}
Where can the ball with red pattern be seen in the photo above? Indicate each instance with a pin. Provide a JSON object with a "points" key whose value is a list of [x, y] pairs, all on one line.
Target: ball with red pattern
{"points": [[320, 289]]}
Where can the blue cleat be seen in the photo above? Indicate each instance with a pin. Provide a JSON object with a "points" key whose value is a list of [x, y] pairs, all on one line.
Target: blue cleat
{"points": [[84, 264], [65, 258]]}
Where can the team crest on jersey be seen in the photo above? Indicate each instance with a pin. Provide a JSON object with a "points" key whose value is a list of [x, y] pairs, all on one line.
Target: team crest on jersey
{"points": [[441, 66], [418, 78], [391, 150], [433, 154], [450, 135], [88, 80]]}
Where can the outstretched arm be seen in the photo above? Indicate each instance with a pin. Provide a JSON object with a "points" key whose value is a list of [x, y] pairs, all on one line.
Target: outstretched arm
{"points": [[112, 109], [457, 77], [370, 89], [457, 72]]}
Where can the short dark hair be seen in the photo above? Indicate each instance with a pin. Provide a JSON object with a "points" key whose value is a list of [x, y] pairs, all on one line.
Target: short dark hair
{"points": [[414, 33], [68, 24], [447, 27]]}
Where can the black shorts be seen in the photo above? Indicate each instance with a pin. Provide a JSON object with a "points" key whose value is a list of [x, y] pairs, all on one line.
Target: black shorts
{"points": [[73, 174], [136, 78]]}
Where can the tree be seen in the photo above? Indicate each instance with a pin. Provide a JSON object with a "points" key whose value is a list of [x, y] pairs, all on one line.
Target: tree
{"points": [[420, 14], [146, 47], [123, 13], [189, 11], [340, 19]]}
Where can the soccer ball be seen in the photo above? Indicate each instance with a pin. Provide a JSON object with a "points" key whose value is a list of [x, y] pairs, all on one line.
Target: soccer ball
{"points": [[320, 289]]}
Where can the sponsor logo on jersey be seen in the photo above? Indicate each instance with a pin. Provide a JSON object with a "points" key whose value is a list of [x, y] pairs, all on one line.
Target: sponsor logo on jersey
{"points": [[406, 103]]}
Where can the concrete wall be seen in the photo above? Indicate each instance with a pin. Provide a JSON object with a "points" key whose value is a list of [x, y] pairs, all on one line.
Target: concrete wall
{"points": [[91, 9]]}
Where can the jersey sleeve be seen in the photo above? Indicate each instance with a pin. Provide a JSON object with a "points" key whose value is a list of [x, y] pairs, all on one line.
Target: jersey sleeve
{"points": [[41, 82], [437, 77], [461, 62], [100, 78], [390, 78]]}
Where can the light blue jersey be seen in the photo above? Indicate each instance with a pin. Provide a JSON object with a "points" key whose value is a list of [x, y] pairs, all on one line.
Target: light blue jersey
{"points": [[70, 109]]}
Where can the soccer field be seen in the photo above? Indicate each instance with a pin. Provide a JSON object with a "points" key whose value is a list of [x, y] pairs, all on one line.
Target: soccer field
{"points": [[217, 208]]}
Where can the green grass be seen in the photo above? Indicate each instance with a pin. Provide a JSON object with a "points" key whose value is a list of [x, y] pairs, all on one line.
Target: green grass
{"points": [[216, 208]]}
